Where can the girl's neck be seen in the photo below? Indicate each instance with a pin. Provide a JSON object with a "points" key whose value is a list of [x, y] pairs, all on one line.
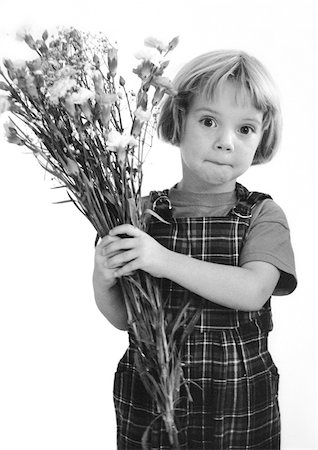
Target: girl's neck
{"points": [[207, 189]]}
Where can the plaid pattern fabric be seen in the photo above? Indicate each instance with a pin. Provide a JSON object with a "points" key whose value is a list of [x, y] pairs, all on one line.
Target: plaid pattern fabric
{"points": [[231, 376]]}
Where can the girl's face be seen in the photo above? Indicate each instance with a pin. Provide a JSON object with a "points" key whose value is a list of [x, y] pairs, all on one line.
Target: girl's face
{"points": [[219, 140]]}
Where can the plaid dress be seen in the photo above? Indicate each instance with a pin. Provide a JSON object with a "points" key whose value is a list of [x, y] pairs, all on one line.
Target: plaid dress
{"points": [[232, 378]]}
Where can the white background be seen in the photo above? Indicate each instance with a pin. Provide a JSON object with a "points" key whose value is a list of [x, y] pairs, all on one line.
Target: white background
{"points": [[57, 352]]}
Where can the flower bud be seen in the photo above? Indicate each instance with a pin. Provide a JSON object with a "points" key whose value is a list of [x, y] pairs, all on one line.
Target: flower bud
{"points": [[4, 86], [96, 61], [112, 61], [98, 82], [12, 134], [142, 99], [136, 129], [30, 41], [158, 95], [173, 43], [72, 167], [45, 35]]}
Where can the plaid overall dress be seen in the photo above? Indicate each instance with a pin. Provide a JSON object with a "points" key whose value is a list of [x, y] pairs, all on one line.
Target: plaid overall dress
{"points": [[232, 378]]}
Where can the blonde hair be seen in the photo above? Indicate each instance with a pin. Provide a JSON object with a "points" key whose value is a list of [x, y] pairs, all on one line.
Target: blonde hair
{"points": [[205, 73]]}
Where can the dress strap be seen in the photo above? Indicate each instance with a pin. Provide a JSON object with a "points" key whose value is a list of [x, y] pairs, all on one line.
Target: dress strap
{"points": [[246, 201], [161, 204]]}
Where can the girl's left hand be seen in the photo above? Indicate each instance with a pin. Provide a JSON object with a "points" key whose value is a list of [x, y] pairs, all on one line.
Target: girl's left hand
{"points": [[136, 251]]}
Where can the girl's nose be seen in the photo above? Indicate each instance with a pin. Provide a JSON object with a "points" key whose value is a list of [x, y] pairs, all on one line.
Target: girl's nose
{"points": [[224, 141]]}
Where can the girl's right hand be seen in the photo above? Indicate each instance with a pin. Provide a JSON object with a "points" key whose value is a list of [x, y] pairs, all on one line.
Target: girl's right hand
{"points": [[104, 275]]}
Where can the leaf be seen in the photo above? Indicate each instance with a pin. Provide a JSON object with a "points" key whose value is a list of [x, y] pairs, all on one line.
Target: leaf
{"points": [[154, 214], [133, 212], [63, 201], [145, 436]]}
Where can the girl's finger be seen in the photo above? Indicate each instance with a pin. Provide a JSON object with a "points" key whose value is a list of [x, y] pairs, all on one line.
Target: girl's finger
{"points": [[121, 259], [118, 245], [127, 229], [127, 269], [107, 240]]}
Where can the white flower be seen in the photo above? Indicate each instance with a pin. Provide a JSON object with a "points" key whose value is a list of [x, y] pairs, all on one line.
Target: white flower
{"points": [[156, 43], [18, 64], [22, 32], [60, 89], [106, 99], [81, 96], [4, 104], [142, 115], [120, 143], [149, 54], [66, 72], [117, 141]]}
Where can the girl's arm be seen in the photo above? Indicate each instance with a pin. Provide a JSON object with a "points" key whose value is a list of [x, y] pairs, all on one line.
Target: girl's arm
{"points": [[106, 291], [245, 288]]}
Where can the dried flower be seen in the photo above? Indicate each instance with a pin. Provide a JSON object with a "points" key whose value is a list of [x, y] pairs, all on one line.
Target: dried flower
{"points": [[106, 99], [82, 95], [153, 42], [117, 141], [21, 33], [60, 88], [149, 54], [144, 70], [143, 115], [18, 64], [164, 83], [12, 134], [120, 143], [67, 111]]}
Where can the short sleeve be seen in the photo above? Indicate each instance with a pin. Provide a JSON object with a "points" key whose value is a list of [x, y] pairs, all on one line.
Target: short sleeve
{"points": [[268, 240]]}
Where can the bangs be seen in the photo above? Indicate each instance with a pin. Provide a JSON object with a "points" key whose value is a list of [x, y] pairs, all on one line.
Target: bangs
{"points": [[206, 74], [251, 81]]}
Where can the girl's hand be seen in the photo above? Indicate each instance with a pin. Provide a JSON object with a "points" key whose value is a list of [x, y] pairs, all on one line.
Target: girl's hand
{"points": [[104, 275], [136, 251]]}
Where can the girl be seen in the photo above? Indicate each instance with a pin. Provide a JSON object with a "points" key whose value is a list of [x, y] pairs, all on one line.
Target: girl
{"points": [[225, 248]]}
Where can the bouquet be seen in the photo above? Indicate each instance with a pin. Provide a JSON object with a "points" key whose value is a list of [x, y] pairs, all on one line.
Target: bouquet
{"points": [[85, 127]]}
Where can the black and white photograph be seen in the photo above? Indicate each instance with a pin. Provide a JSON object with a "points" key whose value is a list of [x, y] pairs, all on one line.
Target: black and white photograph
{"points": [[158, 225]]}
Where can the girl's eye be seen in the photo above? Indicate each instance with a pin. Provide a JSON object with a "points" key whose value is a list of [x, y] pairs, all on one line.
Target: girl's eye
{"points": [[246, 129], [208, 122]]}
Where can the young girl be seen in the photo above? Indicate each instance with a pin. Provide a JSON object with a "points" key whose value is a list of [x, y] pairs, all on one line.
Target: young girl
{"points": [[225, 248]]}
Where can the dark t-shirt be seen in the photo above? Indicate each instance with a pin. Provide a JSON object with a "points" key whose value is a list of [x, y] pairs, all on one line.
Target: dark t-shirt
{"points": [[267, 239]]}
